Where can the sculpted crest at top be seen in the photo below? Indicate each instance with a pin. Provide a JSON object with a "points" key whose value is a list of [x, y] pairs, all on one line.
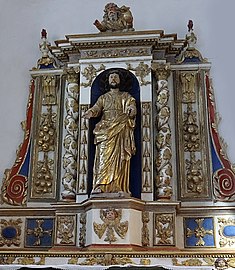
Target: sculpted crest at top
{"points": [[115, 19]]}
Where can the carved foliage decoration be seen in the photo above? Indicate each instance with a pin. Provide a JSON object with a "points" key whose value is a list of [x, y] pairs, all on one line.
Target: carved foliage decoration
{"points": [[163, 138], [194, 174], [191, 128], [71, 136], [15, 182], [191, 131], [46, 137], [90, 72], [82, 233], [145, 230], [164, 229], [223, 170], [141, 71], [43, 181], [106, 259], [10, 232], [66, 230], [112, 225]]}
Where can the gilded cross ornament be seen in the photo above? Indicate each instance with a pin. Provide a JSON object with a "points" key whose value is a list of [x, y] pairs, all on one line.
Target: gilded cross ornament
{"points": [[199, 232], [90, 72], [141, 71], [111, 224], [38, 232]]}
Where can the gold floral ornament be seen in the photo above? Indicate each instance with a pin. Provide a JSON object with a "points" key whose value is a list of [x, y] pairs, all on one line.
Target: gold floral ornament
{"points": [[90, 72], [141, 71], [111, 224]]}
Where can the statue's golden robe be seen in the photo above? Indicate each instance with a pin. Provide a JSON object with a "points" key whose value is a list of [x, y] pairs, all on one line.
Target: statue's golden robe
{"points": [[114, 139]]}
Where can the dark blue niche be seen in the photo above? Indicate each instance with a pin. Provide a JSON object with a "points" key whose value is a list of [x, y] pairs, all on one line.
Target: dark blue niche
{"points": [[229, 231], [9, 232]]}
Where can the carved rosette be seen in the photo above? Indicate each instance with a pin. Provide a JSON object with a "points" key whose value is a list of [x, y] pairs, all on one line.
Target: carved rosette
{"points": [[10, 232], [163, 139], [164, 230], [71, 136]]}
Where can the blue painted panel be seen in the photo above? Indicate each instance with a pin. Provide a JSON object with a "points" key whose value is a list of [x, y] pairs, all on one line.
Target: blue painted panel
{"points": [[9, 232], [39, 235], [192, 226], [229, 231]]}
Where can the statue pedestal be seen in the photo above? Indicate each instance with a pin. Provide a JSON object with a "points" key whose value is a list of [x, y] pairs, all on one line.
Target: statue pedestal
{"points": [[111, 221]]}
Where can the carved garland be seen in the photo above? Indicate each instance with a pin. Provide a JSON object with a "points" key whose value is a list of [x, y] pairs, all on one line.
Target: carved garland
{"points": [[163, 139], [70, 139]]}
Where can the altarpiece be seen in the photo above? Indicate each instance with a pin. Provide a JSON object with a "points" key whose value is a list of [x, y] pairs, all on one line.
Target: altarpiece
{"points": [[180, 210]]}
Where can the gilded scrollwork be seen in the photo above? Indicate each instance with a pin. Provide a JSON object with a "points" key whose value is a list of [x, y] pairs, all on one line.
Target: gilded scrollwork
{"points": [[70, 138], [111, 224], [117, 52], [145, 229], [226, 227], [90, 72], [107, 259], [66, 230], [163, 138], [141, 71], [146, 146], [10, 232], [164, 229]]}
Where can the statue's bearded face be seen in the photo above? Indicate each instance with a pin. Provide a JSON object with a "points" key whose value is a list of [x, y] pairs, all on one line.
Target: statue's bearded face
{"points": [[112, 12], [114, 80]]}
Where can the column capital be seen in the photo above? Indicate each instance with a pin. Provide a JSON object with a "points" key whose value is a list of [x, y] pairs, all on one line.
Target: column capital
{"points": [[161, 70]]}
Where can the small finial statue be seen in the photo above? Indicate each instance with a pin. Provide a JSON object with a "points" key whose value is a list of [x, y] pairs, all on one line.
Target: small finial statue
{"points": [[115, 19], [45, 44], [190, 36], [45, 60]]}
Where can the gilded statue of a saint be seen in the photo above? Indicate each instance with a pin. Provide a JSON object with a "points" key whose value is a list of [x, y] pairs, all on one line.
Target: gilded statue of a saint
{"points": [[114, 138]]}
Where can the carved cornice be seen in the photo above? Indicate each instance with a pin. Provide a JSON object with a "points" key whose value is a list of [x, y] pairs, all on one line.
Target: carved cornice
{"points": [[75, 44]]}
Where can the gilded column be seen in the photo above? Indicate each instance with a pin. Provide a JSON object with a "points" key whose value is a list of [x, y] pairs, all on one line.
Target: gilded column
{"points": [[71, 136], [163, 138]]}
